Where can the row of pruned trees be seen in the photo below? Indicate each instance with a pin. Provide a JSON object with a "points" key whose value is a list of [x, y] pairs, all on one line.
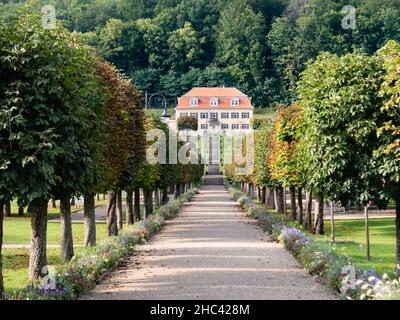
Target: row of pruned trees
{"points": [[72, 125], [340, 141]]}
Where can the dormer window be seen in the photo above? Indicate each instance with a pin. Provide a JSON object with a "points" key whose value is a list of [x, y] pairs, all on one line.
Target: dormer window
{"points": [[194, 102], [214, 102], [235, 102]]}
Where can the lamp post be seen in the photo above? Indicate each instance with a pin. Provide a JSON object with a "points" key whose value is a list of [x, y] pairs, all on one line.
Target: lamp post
{"points": [[165, 116]]}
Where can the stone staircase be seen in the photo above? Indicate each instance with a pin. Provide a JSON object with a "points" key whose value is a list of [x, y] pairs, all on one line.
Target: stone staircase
{"points": [[214, 176]]}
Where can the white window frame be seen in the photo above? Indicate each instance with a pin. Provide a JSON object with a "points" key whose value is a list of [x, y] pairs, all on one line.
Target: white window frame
{"points": [[214, 115], [224, 126], [214, 102], [235, 126], [225, 115], [194, 115], [245, 115], [202, 114], [235, 102], [235, 115], [245, 126], [184, 114], [204, 126], [194, 102]]}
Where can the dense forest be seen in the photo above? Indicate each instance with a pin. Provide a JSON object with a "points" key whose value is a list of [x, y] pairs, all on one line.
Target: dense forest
{"points": [[259, 46]]}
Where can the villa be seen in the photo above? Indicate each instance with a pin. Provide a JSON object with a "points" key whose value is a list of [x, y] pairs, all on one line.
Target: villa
{"points": [[217, 109]]}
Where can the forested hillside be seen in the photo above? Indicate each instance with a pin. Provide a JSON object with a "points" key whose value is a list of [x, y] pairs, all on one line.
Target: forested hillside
{"points": [[260, 46]]}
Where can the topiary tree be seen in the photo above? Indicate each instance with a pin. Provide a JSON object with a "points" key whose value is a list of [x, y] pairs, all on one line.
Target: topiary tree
{"points": [[285, 161], [340, 97], [388, 153], [187, 123], [48, 102], [125, 144], [262, 174]]}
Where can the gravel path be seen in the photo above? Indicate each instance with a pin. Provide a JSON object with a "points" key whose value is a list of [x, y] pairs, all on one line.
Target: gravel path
{"points": [[211, 251]]}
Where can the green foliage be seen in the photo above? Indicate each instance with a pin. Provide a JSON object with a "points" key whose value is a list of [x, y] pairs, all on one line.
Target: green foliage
{"points": [[340, 97], [51, 109], [285, 159], [125, 141], [239, 44], [388, 154], [310, 27], [262, 175], [187, 123]]}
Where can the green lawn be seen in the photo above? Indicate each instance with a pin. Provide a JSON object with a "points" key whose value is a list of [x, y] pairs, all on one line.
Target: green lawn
{"points": [[350, 237], [18, 231], [53, 212], [260, 113], [16, 261], [15, 267]]}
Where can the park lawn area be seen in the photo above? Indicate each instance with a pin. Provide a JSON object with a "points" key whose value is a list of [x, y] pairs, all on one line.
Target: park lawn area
{"points": [[52, 213], [264, 113], [18, 231], [350, 237], [15, 267]]}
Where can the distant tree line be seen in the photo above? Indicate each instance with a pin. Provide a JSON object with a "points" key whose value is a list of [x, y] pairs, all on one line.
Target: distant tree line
{"points": [[259, 46]]}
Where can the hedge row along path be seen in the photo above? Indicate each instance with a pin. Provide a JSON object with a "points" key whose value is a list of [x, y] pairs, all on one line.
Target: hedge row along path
{"points": [[211, 251]]}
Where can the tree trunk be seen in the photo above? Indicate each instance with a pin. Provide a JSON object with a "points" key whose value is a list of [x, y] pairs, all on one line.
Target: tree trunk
{"points": [[398, 233], [284, 201], [104, 197], [89, 213], [157, 198], [319, 215], [368, 245], [112, 226], [53, 203], [98, 197], [332, 222], [136, 206], [147, 204], [129, 208], [73, 201], [1, 246], [21, 211], [67, 244], [151, 202], [164, 197], [38, 259], [279, 200], [7, 208], [293, 211], [177, 191], [308, 217], [264, 195], [300, 206], [120, 222], [270, 198]]}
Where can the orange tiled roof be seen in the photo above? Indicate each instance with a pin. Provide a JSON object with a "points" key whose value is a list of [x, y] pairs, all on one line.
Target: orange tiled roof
{"points": [[224, 95]]}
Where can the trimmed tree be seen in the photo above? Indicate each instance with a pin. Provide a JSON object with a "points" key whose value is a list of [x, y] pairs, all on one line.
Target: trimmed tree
{"points": [[125, 138], [340, 97], [388, 154], [187, 123], [47, 90]]}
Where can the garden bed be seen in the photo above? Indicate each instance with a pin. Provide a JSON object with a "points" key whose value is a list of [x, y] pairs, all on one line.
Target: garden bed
{"points": [[319, 258], [86, 269]]}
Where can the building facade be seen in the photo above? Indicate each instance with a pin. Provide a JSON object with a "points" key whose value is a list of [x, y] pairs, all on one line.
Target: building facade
{"points": [[224, 109]]}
